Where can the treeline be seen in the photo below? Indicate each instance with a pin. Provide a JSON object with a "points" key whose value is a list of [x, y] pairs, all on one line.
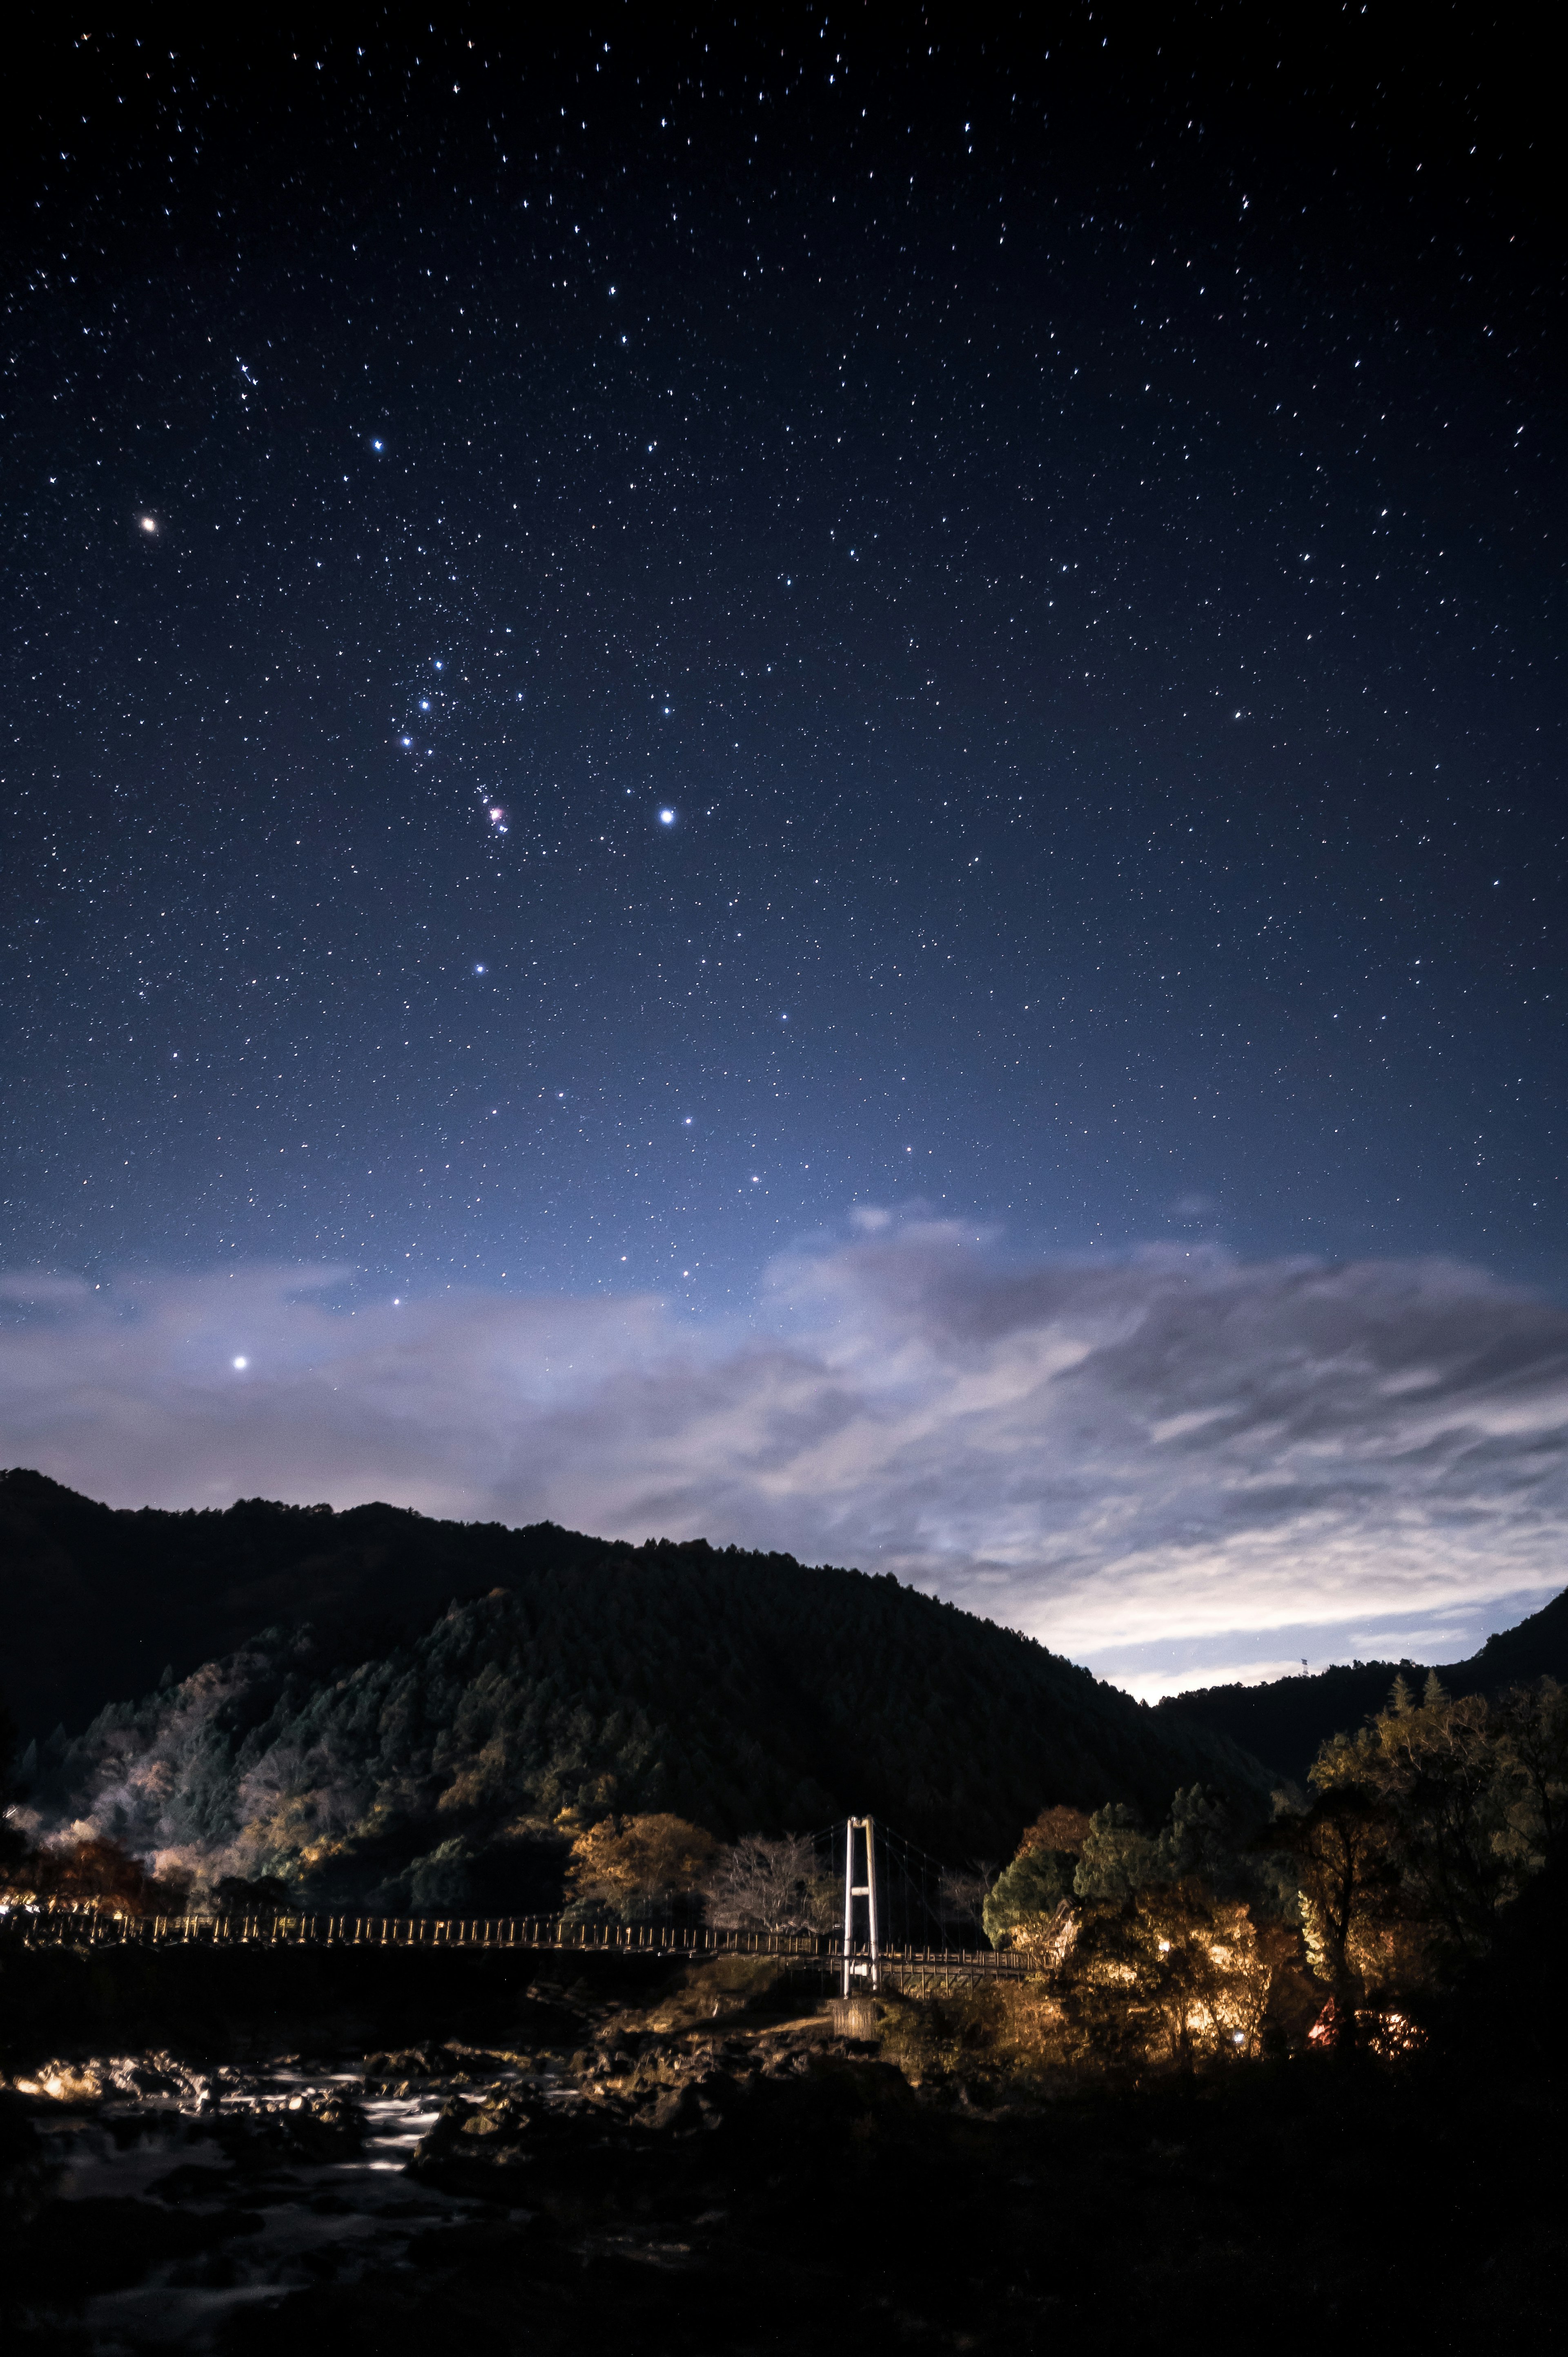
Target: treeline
{"points": [[1343, 1920], [99, 1601], [1284, 1720], [1340, 1914], [738, 1692]]}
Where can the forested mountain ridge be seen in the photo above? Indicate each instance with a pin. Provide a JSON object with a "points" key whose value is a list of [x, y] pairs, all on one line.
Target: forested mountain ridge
{"points": [[745, 1692], [97, 1600], [1285, 1720]]}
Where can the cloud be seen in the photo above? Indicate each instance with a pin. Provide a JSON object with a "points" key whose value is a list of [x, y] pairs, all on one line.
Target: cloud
{"points": [[1171, 1464]]}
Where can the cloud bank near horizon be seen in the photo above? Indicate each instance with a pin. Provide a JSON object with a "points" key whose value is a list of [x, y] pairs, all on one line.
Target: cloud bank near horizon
{"points": [[1174, 1466]]}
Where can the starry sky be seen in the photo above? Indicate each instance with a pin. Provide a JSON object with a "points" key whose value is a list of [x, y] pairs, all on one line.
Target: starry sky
{"points": [[659, 654]]}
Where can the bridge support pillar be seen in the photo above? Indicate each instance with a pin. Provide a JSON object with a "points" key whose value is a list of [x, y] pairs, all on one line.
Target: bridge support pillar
{"points": [[871, 1972]]}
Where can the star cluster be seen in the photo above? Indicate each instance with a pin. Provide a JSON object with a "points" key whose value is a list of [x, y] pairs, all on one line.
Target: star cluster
{"points": [[619, 643]]}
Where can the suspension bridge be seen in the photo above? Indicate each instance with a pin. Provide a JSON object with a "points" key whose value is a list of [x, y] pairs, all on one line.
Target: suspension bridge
{"points": [[857, 1956]]}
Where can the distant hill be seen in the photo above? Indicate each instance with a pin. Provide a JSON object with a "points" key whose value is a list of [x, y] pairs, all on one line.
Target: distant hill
{"points": [[375, 1737], [1284, 1721]]}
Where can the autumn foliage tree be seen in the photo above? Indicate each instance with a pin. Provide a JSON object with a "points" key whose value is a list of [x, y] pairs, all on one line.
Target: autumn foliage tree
{"points": [[636, 1866], [1022, 1905], [1059, 1829], [98, 1875]]}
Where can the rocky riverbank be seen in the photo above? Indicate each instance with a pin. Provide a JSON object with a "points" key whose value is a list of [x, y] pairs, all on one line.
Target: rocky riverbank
{"points": [[699, 2164], [167, 2201]]}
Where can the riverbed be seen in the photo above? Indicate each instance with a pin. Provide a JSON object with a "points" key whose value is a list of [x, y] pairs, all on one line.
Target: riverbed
{"points": [[266, 2183]]}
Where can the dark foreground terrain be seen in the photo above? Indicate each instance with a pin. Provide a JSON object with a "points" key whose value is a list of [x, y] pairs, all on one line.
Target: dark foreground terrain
{"points": [[303, 2154]]}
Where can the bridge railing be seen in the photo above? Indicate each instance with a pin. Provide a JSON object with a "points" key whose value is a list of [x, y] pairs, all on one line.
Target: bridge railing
{"points": [[88, 1927]]}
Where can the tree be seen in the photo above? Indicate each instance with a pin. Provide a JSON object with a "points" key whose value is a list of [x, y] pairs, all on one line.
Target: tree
{"points": [[269, 1894], [1200, 1837], [633, 1867], [1170, 1974], [1061, 1829], [962, 1894], [1468, 1796], [95, 1874], [13, 1841], [1026, 1893], [1118, 1857], [1344, 1852], [762, 1885], [1532, 1740]]}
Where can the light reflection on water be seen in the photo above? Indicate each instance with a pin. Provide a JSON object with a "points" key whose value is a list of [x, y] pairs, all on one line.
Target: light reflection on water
{"points": [[321, 2222]]}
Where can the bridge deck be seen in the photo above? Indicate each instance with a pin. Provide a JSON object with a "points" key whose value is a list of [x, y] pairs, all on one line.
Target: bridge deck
{"points": [[916, 1970]]}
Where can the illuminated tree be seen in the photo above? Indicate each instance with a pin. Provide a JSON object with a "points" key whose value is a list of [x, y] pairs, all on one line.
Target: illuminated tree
{"points": [[635, 1866], [97, 1874], [1026, 1894], [762, 1885], [1118, 1857], [1470, 1796], [1171, 1974], [1346, 1859], [1061, 1829]]}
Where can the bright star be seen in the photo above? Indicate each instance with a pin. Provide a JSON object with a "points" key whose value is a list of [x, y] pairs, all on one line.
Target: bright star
{"points": [[240, 1365], [666, 818]]}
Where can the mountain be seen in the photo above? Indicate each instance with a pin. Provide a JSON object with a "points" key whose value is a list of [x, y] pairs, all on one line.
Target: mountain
{"points": [[98, 1601], [1284, 1721], [569, 1677]]}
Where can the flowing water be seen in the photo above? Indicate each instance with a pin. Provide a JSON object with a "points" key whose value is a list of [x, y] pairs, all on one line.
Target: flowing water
{"points": [[272, 2218]]}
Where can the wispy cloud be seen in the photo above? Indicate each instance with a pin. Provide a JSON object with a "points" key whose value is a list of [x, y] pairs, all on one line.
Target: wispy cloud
{"points": [[1170, 1464]]}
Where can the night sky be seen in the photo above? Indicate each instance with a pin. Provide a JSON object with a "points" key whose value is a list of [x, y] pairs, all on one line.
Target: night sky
{"points": [[637, 650]]}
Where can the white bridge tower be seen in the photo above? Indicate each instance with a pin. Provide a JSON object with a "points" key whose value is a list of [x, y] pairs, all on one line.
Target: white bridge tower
{"points": [[868, 1970]]}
